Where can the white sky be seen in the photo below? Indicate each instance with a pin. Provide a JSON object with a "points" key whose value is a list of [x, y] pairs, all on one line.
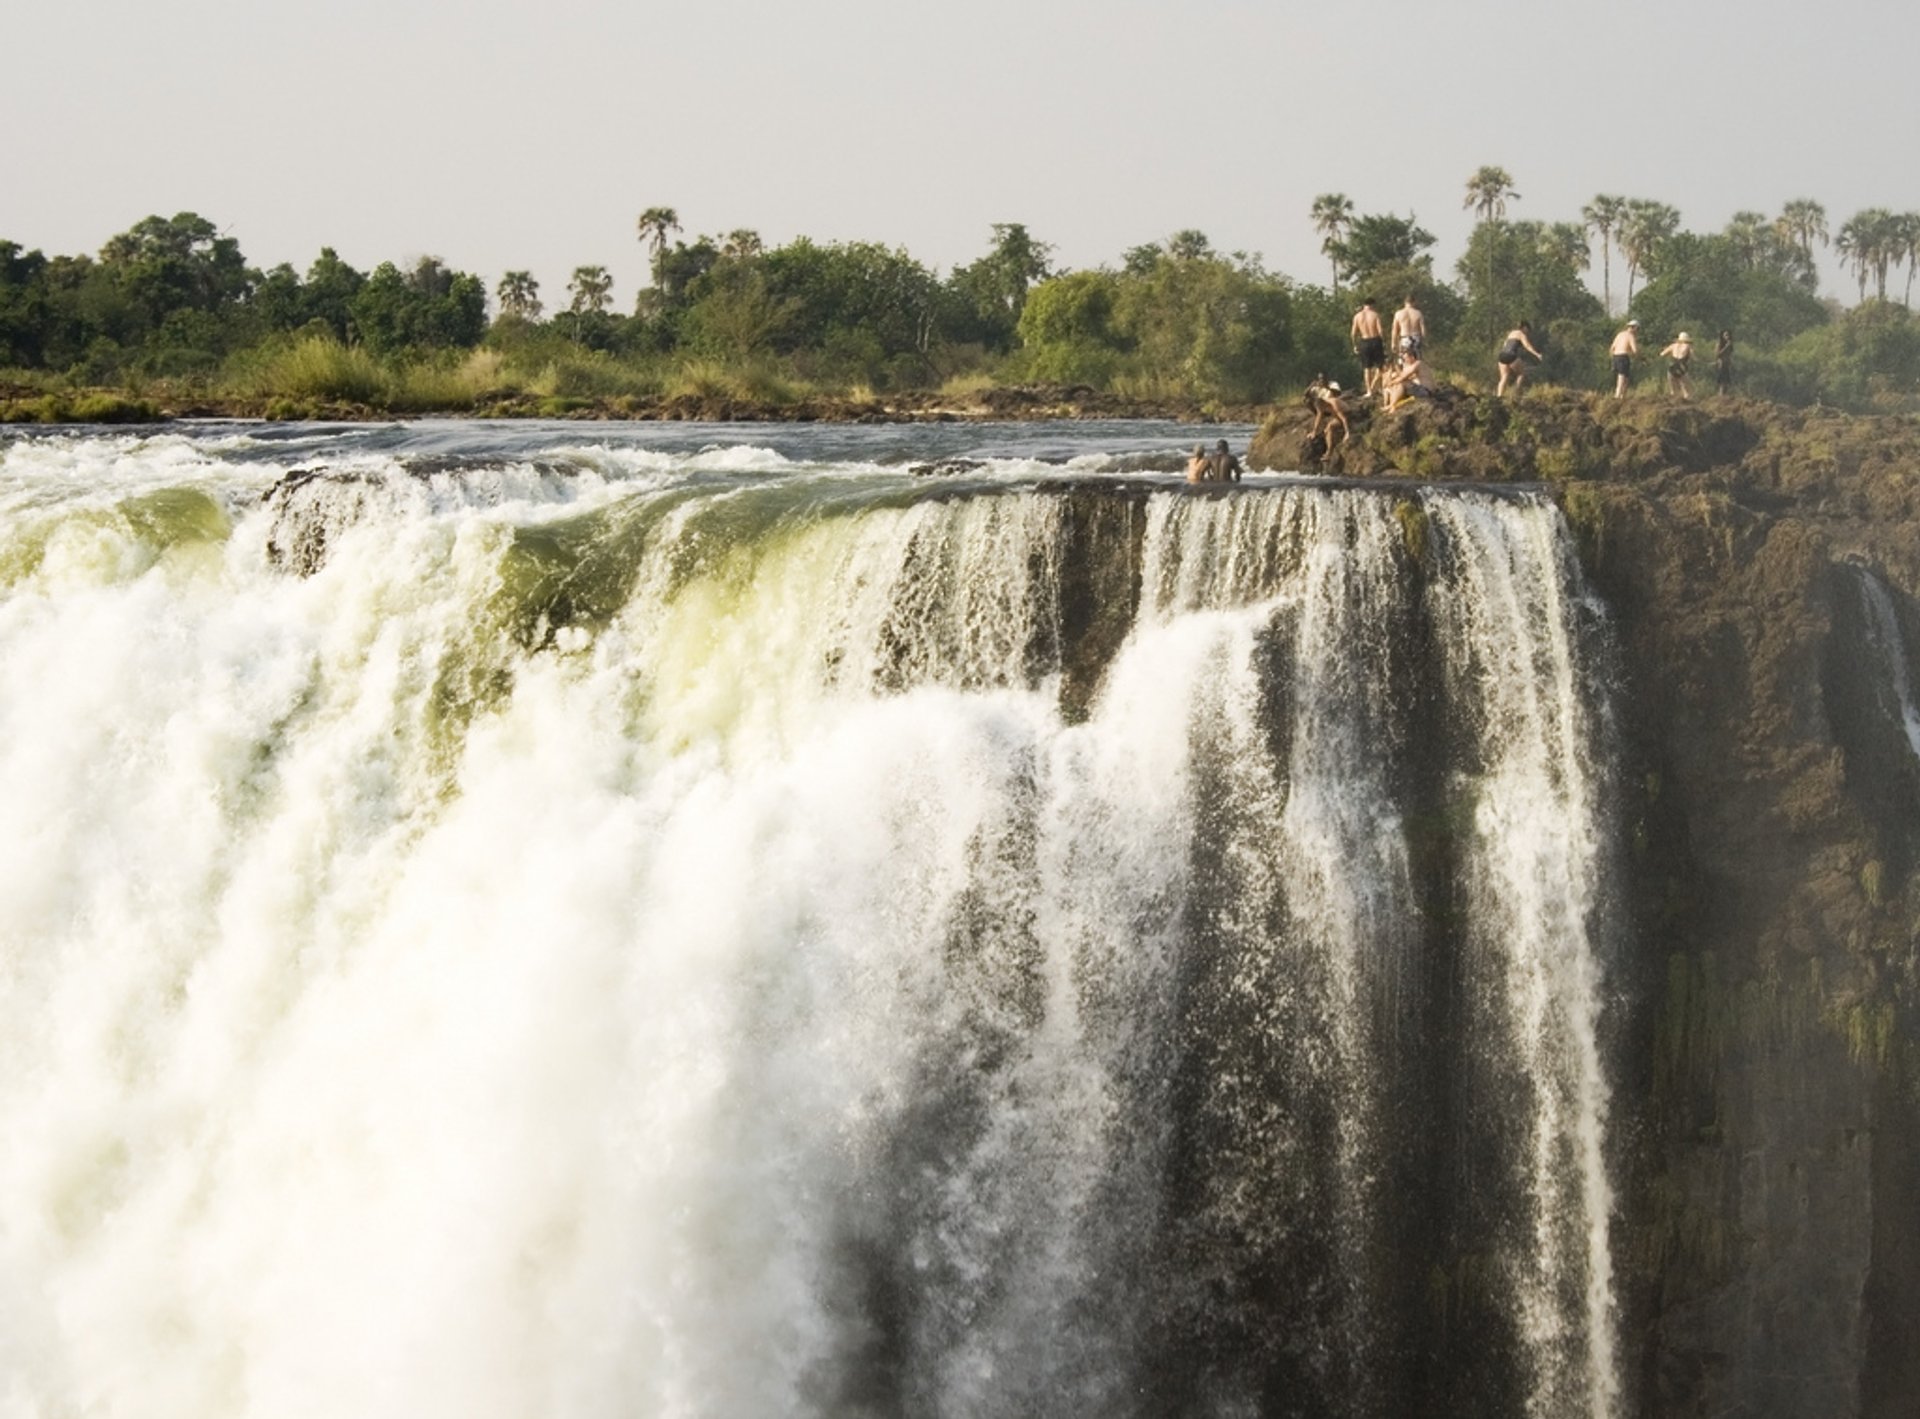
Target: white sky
{"points": [[500, 134]]}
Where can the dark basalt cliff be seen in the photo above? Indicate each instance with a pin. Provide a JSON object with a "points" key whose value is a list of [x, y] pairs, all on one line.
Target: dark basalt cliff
{"points": [[1760, 566]]}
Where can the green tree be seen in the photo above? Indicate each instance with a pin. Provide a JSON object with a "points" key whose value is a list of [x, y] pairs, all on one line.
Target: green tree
{"points": [[1801, 221], [328, 294], [24, 306], [734, 312], [519, 295], [1720, 282], [1488, 192], [427, 307], [1514, 271], [1067, 332], [656, 224], [1380, 242], [992, 290], [1644, 226], [1333, 219], [1605, 216], [591, 288]]}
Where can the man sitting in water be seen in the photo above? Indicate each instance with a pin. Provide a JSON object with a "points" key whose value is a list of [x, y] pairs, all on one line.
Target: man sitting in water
{"points": [[1199, 469], [1323, 397], [1223, 466]]}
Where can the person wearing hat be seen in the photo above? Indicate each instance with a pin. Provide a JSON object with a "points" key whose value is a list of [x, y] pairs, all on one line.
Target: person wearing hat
{"points": [[1323, 397], [1680, 352], [1625, 347]]}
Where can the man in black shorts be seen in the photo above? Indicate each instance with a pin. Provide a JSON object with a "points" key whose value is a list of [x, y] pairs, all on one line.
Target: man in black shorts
{"points": [[1370, 343], [1625, 347]]}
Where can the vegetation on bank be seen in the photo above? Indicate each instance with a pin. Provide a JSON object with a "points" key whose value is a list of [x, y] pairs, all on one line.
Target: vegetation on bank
{"points": [[169, 316]]}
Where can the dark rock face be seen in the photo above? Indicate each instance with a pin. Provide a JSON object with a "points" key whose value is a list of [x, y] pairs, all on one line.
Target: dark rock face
{"points": [[1761, 566]]}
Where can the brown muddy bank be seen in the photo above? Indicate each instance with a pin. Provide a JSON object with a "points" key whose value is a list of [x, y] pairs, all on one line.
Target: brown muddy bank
{"points": [[1012, 402]]}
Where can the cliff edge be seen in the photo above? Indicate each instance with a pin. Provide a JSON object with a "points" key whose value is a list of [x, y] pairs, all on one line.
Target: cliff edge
{"points": [[1761, 567]]}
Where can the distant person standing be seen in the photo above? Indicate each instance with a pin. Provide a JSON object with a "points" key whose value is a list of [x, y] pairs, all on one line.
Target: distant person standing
{"points": [[1519, 341], [1625, 347], [1723, 364], [1679, 355], [1370, 344], [1409, 325]]}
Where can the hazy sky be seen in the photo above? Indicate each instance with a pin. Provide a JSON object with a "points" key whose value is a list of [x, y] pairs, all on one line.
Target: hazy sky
{"points": [[499, 135]]}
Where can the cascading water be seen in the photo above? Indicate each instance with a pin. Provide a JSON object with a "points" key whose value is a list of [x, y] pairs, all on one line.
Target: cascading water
{"points": [[623, 928]]}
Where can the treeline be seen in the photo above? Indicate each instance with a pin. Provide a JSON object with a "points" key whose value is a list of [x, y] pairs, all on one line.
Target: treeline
{"points": [[173, 302]]}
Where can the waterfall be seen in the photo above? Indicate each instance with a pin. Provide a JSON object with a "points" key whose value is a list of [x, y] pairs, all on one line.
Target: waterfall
{"points": [[712, 933]]}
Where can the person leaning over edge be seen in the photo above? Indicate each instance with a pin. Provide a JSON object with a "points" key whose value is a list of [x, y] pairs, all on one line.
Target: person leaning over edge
{"points": [[1323, 397], [1624, 348], [1370, 344], [1519, 339]]}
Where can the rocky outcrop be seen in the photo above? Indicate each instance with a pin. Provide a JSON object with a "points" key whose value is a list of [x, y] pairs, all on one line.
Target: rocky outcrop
{"points": [[1760, 566]]}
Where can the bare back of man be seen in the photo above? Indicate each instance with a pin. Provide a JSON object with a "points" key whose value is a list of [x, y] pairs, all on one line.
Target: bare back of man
{"points": [[1370, 344]]}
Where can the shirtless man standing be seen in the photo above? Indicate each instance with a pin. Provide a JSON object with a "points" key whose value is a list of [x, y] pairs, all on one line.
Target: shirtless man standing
{"points": [[1409, 324], [1625, 347], [1370, 343]]}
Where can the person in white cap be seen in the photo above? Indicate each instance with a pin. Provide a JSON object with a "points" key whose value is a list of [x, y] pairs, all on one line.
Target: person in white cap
{"points": [[1625, 347], [1680, 352]]}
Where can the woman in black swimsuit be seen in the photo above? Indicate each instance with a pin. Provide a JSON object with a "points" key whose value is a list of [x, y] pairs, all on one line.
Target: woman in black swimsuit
{"points": [[1519, 340]]}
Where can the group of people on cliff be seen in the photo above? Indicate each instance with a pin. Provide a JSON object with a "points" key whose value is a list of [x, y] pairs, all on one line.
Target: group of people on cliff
{"points": [[1679, 357], [1399, 375]]}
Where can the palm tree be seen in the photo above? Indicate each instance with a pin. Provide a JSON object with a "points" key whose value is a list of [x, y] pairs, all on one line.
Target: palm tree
{"points": [[1854, 242], [1645, 225], [1333, 219], [519, 295], [1871, 239], [1906, 237], [592, 289], [1488, 192], [655, 223], [1800, 221], [1604, 215], [1566, 243], [1748, 232]]}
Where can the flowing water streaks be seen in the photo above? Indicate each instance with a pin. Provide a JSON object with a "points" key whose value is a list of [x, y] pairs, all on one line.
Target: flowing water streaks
{"points": [[648, 941]]}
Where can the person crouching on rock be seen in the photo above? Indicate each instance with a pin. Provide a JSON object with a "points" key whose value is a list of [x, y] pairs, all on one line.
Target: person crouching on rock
{"points": [[1519, 340], [1323, 397]]}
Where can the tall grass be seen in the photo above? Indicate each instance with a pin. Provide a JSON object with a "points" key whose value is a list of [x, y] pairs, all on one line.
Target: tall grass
{"points": [[319, 369]]}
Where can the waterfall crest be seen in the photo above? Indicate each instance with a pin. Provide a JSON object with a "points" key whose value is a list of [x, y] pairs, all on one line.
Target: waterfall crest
{"points": [[704, 936]]}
